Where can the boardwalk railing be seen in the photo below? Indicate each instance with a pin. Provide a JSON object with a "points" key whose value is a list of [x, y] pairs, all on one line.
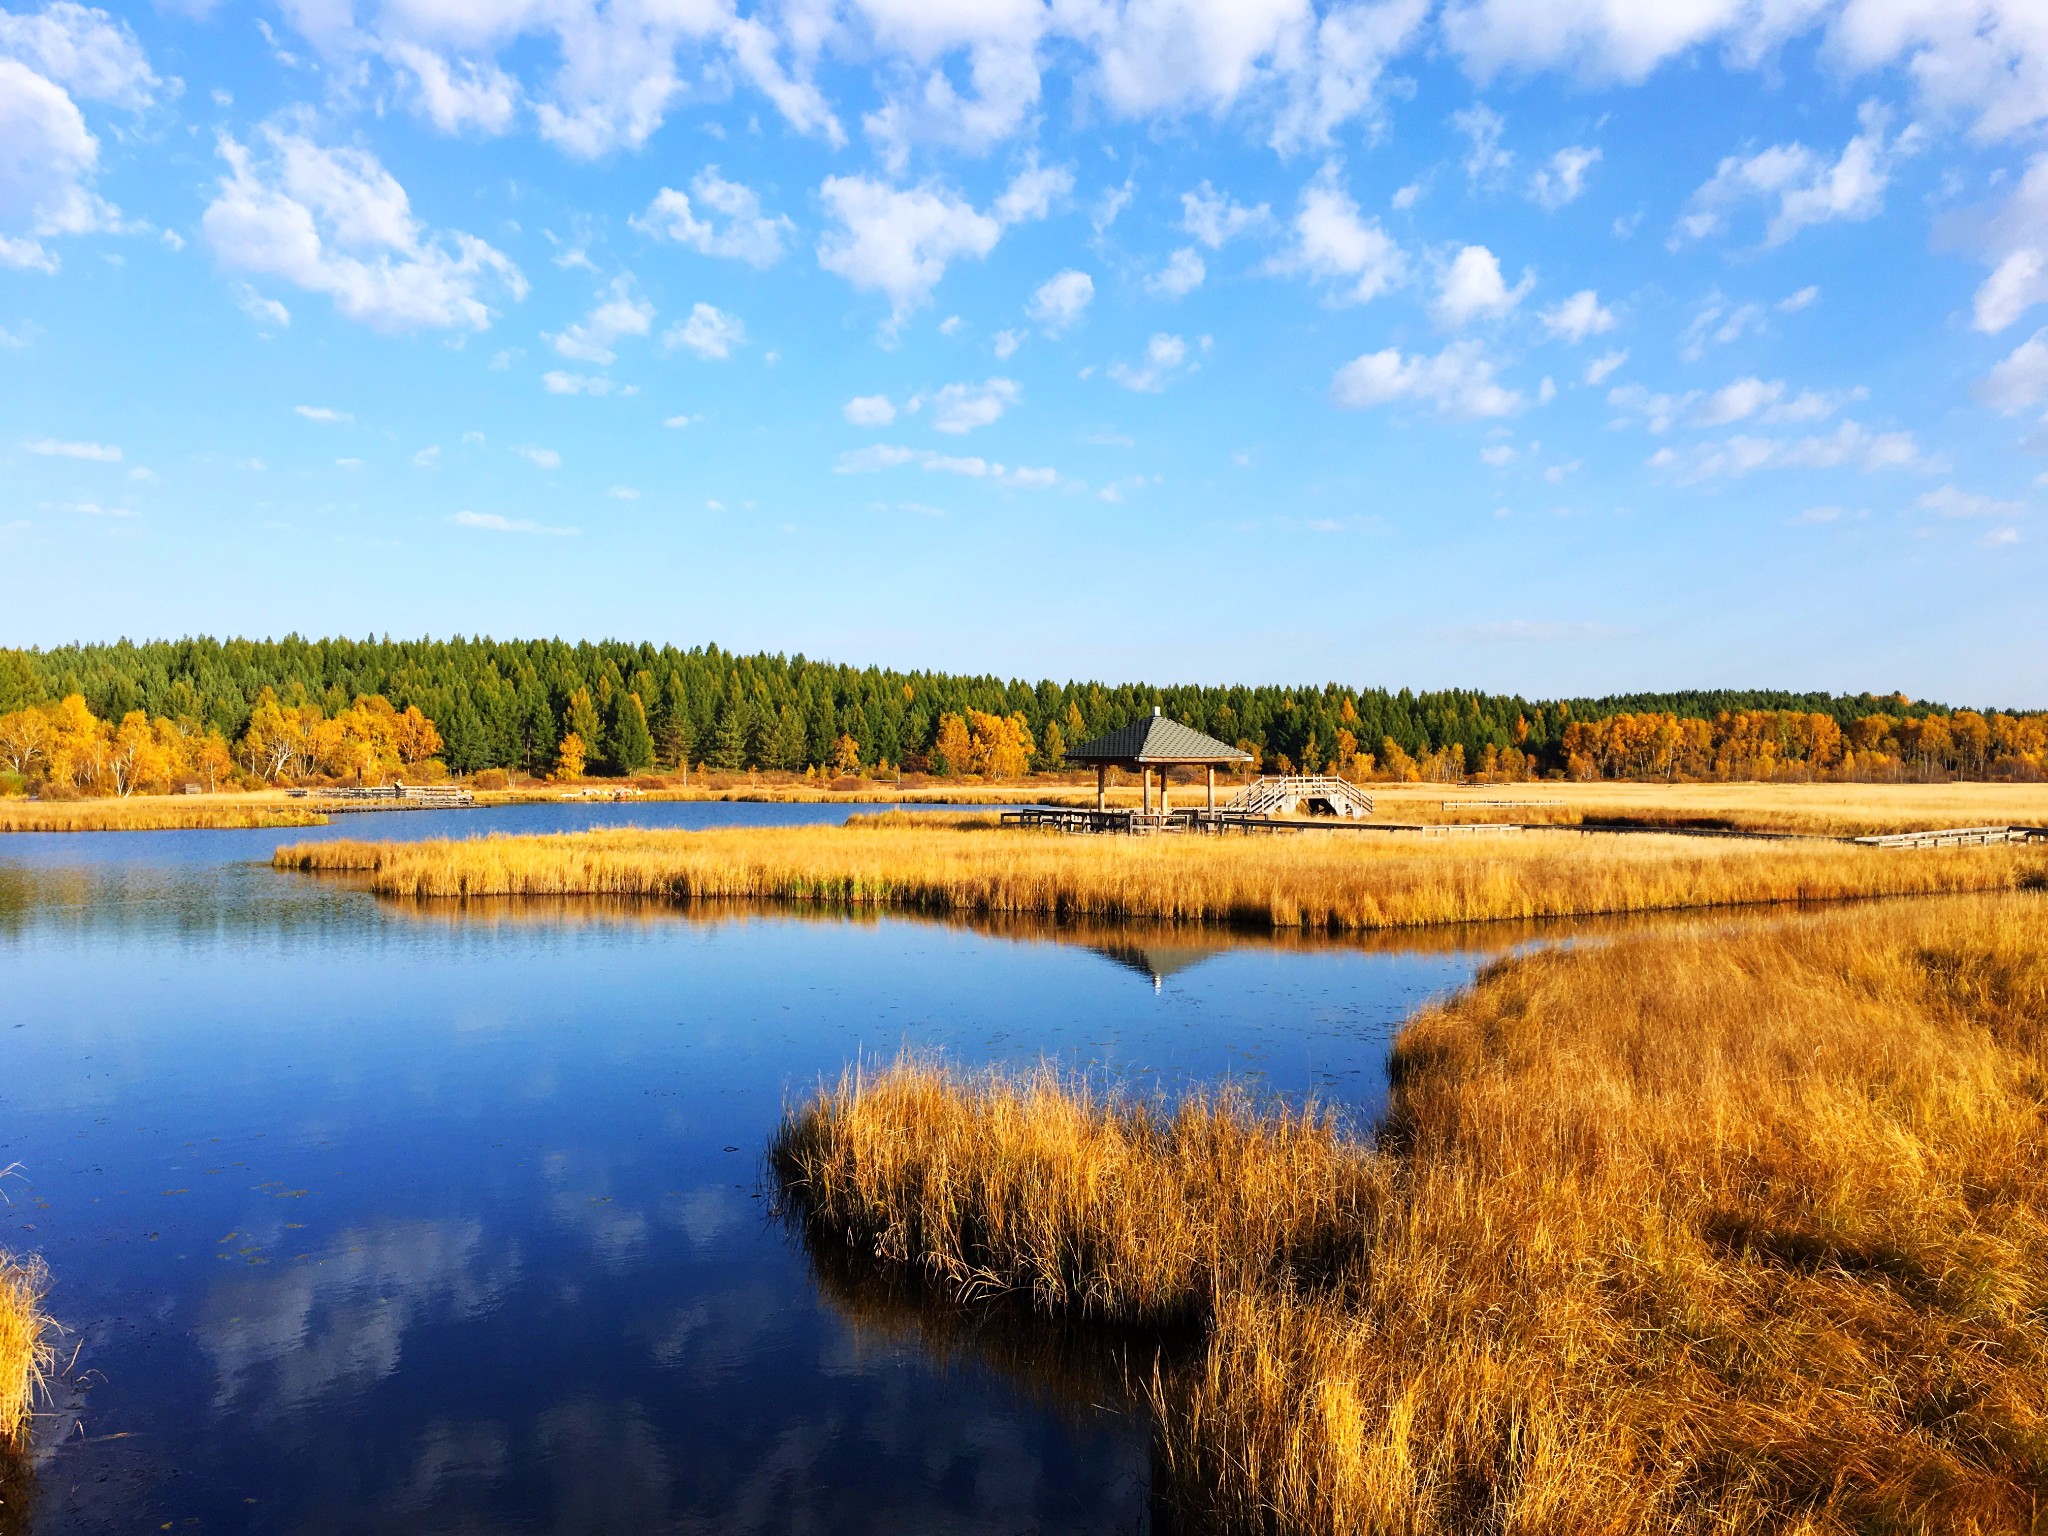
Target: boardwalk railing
{"points": [[1956, 837], [1278, 795], [379, 795]]}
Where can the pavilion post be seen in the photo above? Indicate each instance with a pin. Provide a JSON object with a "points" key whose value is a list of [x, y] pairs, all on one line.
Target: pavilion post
{"points": [[1162, 791], [1212, 787], [1145, 794], [1101, 785]]}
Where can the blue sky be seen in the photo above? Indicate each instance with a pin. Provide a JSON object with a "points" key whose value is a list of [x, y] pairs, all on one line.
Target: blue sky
{"points": [[1524, 344]]}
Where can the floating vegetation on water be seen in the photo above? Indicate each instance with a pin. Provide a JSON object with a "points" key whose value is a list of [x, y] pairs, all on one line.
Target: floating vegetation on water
{"points": [[1695, 1231]]}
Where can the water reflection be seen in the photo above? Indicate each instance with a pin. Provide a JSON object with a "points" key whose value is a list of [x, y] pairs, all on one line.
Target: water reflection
{"points": [[376, 1216]]}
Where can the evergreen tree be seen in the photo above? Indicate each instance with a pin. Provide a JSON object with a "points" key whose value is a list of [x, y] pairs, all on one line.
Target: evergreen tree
{"points": [[729, 734], [630, 745], [673, 735]]}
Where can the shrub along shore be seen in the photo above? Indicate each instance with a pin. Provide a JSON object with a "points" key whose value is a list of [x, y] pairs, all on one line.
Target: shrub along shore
{"points": [[26, 1357], [1331, 881], [1715, 1230]]}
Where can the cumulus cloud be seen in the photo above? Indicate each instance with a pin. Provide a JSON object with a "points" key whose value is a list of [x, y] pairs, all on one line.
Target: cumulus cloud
{"points": [[1850, 445], [561, 382], [1948, 501], [1182, 275], [1334, 244], [1808, 188], [2016, 240], [1165, 355], [1061, 300], [1737, 401], [883, 456], [731, 223], [619, 312], [1458, 381], [326, 415], [1215, 219], [710, 332], [899, 241], [1598, 370], [1578, 317], [963, 407], [539, 458], [1485, 161], [334, 221], [53, 448], [2021, 379], [491, 522], [869, 411], [1473, 289], [1563, 178]]}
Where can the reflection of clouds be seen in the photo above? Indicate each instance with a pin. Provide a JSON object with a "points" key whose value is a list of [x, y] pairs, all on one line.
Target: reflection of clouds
{"points": [[707, 1213], [610, 1472], [580, 1198], [452, 1456], [301, 1331]]}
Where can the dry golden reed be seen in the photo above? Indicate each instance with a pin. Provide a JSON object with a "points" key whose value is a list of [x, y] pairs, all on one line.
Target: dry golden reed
{"points": [[26, 1355], [1325, 880], [1687, 1232], [155, 814]]}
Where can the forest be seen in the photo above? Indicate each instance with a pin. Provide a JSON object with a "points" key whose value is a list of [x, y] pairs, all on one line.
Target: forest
{"points": [[200, 709]]}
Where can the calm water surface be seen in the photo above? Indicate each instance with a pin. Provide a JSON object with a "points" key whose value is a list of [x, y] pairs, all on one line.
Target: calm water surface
{"points": [[369, 1217]]}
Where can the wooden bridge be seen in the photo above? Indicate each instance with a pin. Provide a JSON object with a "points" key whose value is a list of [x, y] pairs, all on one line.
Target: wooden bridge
{"points": [[1956, 837], [1285, 795]]}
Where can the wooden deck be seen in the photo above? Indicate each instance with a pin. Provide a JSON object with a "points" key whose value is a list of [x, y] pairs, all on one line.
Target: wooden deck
{"points": [[1956, 837]]}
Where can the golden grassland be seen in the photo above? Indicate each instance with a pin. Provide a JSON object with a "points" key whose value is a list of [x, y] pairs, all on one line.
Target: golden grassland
{"points": [[154, 813], [1716, 1230], [1333, 881], [25, 1348]]}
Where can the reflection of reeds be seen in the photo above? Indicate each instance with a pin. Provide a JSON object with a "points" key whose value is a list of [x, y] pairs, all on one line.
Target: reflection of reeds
{"points": [[1695, 1231], [1330, 881], [156, 814]]}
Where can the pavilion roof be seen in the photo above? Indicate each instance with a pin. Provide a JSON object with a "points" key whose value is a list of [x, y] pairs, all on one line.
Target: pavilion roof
{"points": [[1156, 739]]}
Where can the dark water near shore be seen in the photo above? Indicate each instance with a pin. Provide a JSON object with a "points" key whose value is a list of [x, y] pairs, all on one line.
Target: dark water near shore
{"points": [[369, 1217]]}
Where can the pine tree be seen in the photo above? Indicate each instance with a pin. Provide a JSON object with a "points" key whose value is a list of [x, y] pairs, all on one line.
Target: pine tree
{"points": [[729, 733], [672, 734], [631, 747]]}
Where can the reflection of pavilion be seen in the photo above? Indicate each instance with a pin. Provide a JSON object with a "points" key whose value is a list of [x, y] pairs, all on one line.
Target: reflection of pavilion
{"points": [[1158, 961]]}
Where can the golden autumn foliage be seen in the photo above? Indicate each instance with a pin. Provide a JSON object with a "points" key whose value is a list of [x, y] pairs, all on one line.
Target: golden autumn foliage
{"points": [[1771, 744], [26, 1354], [1706, 1231], [1329, 881], [993, 746]]}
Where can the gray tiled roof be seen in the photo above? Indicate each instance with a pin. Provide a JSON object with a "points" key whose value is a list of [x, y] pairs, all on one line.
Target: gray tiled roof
{"points": [[1156, 739]]}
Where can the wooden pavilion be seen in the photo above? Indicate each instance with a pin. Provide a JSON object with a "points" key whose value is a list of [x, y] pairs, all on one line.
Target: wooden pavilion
{"points": [[1155, 742]]}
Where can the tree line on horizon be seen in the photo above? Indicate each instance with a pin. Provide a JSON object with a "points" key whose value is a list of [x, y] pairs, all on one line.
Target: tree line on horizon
{"points": [[549, 707]]}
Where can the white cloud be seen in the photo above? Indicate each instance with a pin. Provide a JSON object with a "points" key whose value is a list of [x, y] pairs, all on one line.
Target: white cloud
{"points": [[899, 241], [1717, 322], [1737, 401], [1472, 289], [1577, 317], [709, 332], [1458, 381], [561, 382], [950, 326], [1808, 188], [1164, 355], [325, 414], [334, 221], [1564, 178], [1334, 244], [1061, 300], [1007, 342], [1849, 445], [736, 227], [491, 522], [1498, 456], [1981, 58], [1814, 404], [51, 448], [427, 458], [1601, 41], [540, 458], [961, 408], [623, 493], [1792, 303], [869, 411], [681, 421], [93, 509], [260, 309], [1214, 218], [1657, 412], [1951, 502], [92, 55], [618, 313], [882, 456], [1181, 276], [2016, 242], [1485, 161], [2021, 379], [1598, 370]]}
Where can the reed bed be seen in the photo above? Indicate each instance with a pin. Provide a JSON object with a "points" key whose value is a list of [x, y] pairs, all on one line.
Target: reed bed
{"points": [[1329, 881], [156, 814], [26, 1351], [1687, 1232]]}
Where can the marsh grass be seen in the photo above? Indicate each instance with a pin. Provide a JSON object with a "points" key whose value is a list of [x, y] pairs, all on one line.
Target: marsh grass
{"points": [[160, 813], [26, 1351], [1702, 1231], [1328, 881]]}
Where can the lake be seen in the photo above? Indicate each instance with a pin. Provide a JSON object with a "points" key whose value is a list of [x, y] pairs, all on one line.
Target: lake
{"points": [[379, 1217]]}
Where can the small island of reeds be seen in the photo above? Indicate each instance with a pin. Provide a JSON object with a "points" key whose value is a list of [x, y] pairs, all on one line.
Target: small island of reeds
{"points": [[26, 1358], [1330, 881], [1730, 1229]]}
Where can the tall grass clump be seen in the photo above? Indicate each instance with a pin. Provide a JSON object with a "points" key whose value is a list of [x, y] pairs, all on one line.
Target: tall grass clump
{"points": [[155, 814], [1708, 1231], [26, 1351], [1329, 880]]}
